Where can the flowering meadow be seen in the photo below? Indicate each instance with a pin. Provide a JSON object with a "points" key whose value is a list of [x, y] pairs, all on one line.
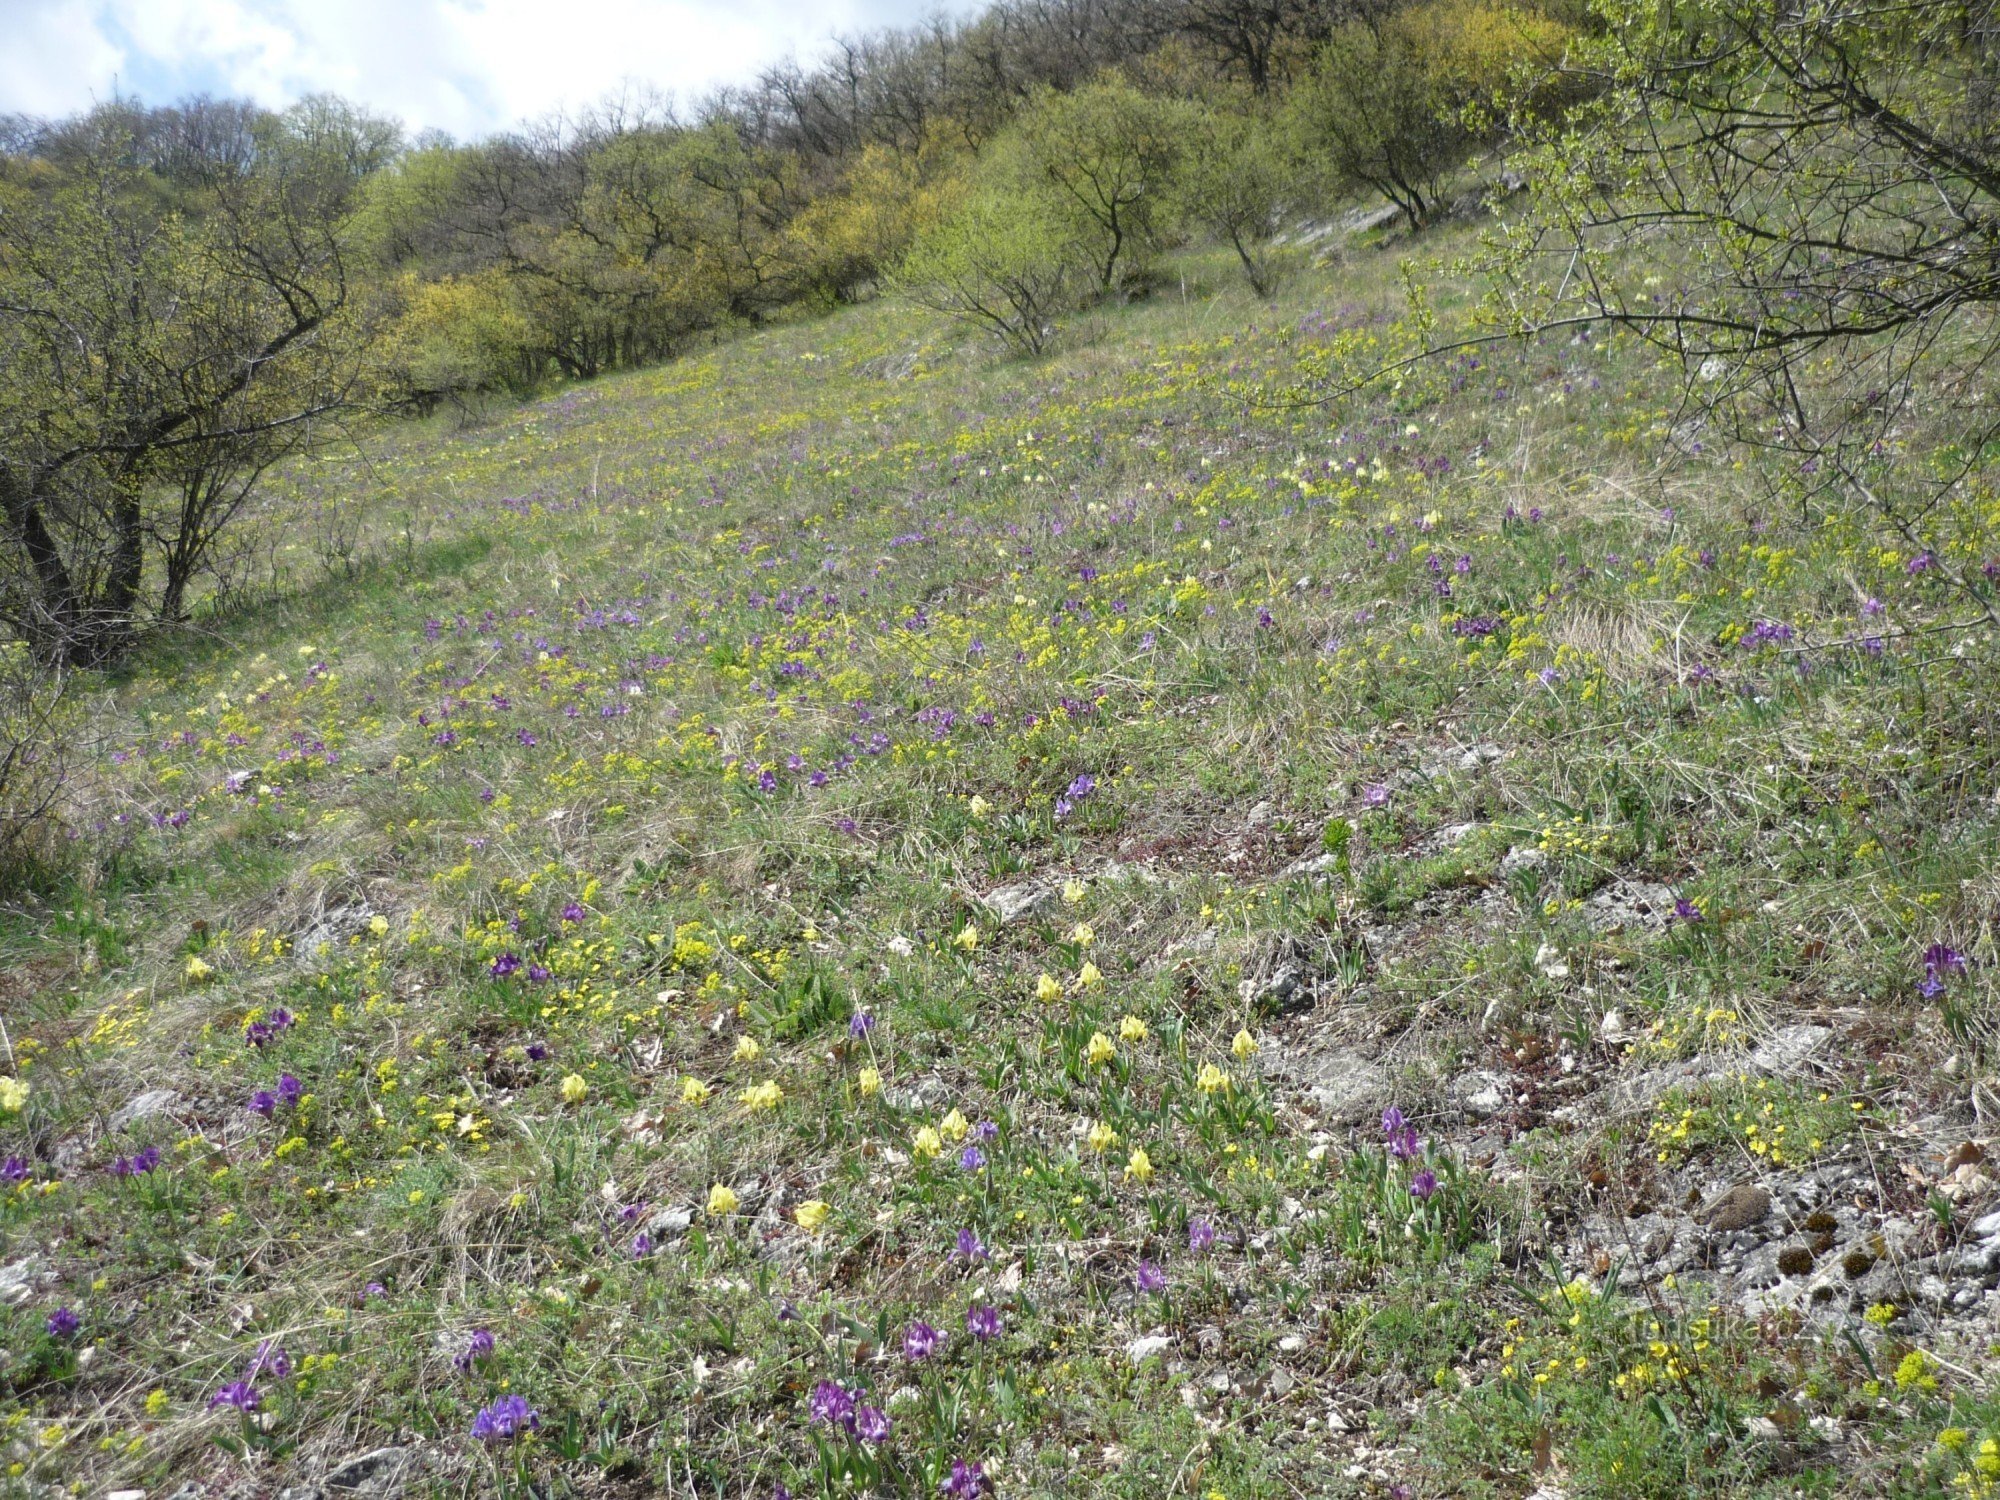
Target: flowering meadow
{"points": [[843, 916]]}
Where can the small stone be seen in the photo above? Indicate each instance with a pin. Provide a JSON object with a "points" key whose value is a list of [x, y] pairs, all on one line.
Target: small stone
{"points": [[1737, 1208], [1789, 1046], [144, 1107], [382, 1471], [1142, 1349], [1964, 1154], [19, 1279], [1012, 902], [1344, 1084]]}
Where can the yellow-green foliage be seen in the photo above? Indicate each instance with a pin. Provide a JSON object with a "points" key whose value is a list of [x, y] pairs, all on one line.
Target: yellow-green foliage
{"points": [[1105, 157], [1395, 104], [1007, 262], [456, 336], [853, 235]]}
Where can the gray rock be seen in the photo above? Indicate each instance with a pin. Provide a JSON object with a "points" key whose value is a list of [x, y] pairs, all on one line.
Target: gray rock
{"points": [[383, 1471], [1522, 857], [19, 1280], [1789, 1047], [1010, 903], [1343, 1083], [1311, 868], [144, 1107], [1480, 754], [1361, 220], [668, 1223], [1481, 1092], [1643, 904]]}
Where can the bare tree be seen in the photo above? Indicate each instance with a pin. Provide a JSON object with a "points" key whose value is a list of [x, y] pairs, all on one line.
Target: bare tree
{"points": [[157, 343]]}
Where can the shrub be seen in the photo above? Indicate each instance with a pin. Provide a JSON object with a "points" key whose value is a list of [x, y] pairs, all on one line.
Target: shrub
{"points": [[456, 337], [1235, 177], [1106, 155], [1397, 102], [1002, 260], [845, 241]]}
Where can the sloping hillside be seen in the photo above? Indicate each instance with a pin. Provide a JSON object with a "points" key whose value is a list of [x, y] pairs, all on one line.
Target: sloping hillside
{"points": [[844, 916]]}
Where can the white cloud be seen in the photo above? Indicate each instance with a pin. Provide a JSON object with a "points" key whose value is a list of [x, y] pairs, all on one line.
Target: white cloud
{"points": [[467, 66], [55, 54]]}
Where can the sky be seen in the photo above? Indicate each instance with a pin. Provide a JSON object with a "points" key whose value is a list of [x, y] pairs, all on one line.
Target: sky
{"points": [[468, 67]]}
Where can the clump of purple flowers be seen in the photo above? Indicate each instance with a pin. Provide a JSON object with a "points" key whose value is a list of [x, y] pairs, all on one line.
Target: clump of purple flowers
{"points": [[1940, 959], [240, 1394], [1077, 791], [269, 1029], [505, 1420], [266, 1102], [478, 1344], [834, 1405], [63, 1323], [136, 1165], [1403, 1142], [270, 1359], [965, 1482]]}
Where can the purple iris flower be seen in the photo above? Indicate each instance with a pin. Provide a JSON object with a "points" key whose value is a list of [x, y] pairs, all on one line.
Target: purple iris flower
{"points": [[478, 1344], [833, 1404], [63, 1323], [271, 1359], [966, 1481], [920, 1341], [871, 1424], [983, 1321], [505, 1420], [1423, 1184], [1201, 1235], [1151, 1278], [240, 1394]]}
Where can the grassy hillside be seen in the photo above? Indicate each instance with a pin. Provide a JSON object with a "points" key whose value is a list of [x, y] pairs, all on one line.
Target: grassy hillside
{"points": [[843, 917]]}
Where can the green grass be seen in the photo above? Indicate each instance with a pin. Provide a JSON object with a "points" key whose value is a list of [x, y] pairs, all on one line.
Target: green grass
{"points": [[652, 735]]}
